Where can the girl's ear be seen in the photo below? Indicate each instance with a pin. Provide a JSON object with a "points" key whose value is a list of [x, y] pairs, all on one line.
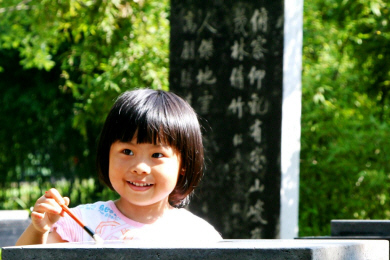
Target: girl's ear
{"points": [[183, 171]]}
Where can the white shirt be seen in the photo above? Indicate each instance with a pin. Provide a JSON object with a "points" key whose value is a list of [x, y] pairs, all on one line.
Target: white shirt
{"points": [[109, 223]]}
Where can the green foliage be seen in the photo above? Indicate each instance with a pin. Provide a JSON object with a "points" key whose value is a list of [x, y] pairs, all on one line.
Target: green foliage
{"points": [[80, 191], [345, 117], [62, 64], [102, 47], [37, 141]]}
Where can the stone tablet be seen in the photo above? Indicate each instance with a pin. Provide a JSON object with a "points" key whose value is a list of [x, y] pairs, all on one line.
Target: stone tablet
{"points": [[226, 60]]}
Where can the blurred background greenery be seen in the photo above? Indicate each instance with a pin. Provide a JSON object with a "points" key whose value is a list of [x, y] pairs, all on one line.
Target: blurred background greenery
{"points": [[62, 63]]}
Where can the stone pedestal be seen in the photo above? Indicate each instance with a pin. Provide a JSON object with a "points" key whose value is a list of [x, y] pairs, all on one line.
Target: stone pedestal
{"points": [[12, 225], [357, 230], [226, 249], [348, 227]]}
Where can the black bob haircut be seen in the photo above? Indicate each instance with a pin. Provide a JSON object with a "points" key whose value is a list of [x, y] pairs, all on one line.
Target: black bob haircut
{"points": [[156, 116]]}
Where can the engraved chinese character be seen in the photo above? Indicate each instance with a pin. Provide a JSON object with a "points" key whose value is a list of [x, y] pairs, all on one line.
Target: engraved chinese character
{"points": [[258, 106], [206, 25], [189, 25], [237, 158], [206, 77], [236, 208], [188, 52], [256, 131], [240, 21], [255, 213], [257, 159], [236, 106], [256, 76], [237, 139], [206, 49], [237, 77], [205, 101], [256, 187], [256, 233], [259, 20], [185, 80], [238, 51], [257, 48]]}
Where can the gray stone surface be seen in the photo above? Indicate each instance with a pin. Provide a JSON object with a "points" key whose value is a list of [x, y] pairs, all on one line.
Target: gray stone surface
{"points": [[12, 225], [14, 215], [227, 249], [360, 228]]}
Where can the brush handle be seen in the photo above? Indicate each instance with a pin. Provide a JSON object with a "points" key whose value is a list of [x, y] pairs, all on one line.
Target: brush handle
{"points": [[87, 229], [66, 209]]}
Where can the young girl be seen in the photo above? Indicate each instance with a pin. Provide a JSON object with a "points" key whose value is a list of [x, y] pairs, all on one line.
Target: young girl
{"points": [[150, 152]]}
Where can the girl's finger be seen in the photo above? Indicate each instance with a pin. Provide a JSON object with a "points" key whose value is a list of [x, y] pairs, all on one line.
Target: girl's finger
{"points": [[54, 194], [50, 207], [67, 201], [37, 215]]}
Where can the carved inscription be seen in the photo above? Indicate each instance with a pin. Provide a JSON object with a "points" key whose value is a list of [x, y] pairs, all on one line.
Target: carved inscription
{"points": [[223, 51]]}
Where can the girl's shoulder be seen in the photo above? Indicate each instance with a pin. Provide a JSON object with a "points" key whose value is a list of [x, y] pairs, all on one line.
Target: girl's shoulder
{"points": [[184, 215], [195, 227]]}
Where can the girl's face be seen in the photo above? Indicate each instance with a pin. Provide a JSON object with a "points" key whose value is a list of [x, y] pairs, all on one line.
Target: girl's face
{"points": [[143, 174]]}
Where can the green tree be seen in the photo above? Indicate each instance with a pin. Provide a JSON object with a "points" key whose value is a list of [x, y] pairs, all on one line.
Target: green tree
{"points": [[102, 47], [62, 64], [345, 145], [37, 140]]}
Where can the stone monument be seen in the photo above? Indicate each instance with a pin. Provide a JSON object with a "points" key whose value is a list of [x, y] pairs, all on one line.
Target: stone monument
{"points": [[238, 64]]}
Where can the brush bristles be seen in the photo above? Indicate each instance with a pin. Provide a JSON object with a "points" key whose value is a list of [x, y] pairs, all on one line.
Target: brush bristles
{"points": [[98, 240]]}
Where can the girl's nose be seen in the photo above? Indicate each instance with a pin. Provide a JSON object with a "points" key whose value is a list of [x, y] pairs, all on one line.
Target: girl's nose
{"points": [[141, 168]]}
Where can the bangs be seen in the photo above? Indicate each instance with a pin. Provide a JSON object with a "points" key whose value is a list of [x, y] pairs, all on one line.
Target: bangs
{"points": [[155, 120], [147, 134]]}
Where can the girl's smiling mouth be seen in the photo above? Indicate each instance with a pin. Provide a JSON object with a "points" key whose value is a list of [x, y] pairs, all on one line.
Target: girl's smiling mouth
{"points": [[140, 184]]}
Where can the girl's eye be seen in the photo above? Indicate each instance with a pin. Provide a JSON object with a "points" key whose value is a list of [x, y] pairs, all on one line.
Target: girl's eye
{"points": [[128, 152], [157, 155]]}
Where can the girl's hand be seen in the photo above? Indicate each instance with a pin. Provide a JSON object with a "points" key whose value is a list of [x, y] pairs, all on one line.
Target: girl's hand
{"points": [[47, 211]]}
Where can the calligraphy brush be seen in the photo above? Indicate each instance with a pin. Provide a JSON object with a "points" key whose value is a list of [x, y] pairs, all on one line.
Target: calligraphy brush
{"points": [[96, 237]]}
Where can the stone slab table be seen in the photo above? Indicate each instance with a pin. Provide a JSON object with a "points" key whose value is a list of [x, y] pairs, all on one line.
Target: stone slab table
{"points": [[350, 227], [264, 249], [357, 229], [12, 225]]}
